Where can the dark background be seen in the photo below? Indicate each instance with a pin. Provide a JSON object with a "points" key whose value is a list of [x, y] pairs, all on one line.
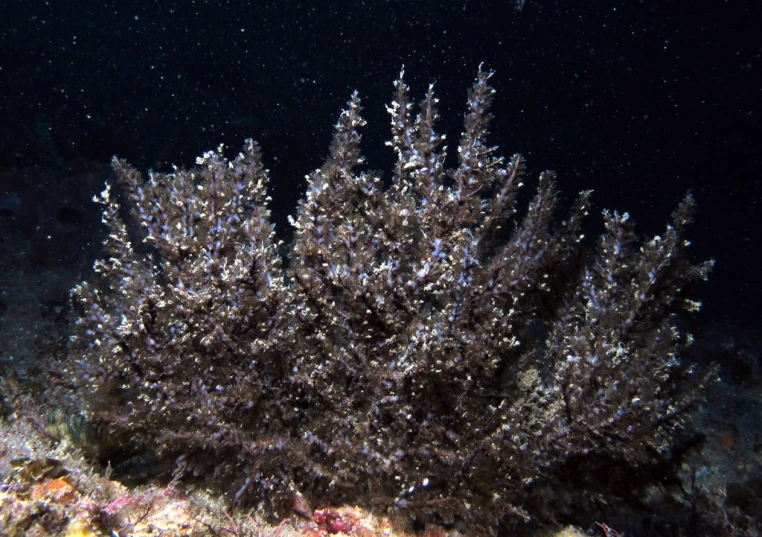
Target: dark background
{"points": [[640, 101]]}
